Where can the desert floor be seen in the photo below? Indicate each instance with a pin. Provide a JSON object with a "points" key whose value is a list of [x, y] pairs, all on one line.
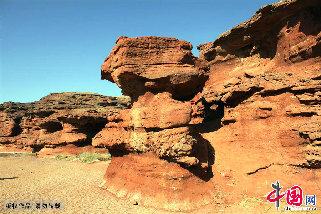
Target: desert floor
{"points": [[73, 183]]}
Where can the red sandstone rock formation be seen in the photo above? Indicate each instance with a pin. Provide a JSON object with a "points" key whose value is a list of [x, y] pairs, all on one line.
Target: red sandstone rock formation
{"points": [[163, 79], [251, 102], [161, 75], [146, 180], [57, 120], [288, 30], [154, 64], [266, 73], [259, 106]]}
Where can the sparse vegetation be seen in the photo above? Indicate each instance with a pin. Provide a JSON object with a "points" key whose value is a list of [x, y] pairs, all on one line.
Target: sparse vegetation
{"points": [[92, 157], [65, 157], [16, 154], [85, 157]]}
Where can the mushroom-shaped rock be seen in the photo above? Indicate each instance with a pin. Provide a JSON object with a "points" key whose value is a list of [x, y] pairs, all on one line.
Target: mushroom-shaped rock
{"points": [[154, 64]]}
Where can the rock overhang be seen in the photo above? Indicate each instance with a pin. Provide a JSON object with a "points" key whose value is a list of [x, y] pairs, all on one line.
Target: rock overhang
{"points": [[154, 64]]}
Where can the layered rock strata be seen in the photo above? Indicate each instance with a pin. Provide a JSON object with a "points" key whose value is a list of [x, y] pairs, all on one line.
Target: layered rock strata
{"points": [[162, 77], [257, 101], [164, 80], [266, 74], [65, 120], [154, 64]]}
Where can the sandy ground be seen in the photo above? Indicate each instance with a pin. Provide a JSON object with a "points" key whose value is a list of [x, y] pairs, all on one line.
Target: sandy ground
{"points": [[73, 183]]}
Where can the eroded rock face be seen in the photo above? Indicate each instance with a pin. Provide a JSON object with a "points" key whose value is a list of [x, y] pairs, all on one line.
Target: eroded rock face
{"points": [[154, 64], [158, 124], [262, 63], [160, 111], [259, 107], [164, 80], [162, 77], [288, 30], [57, 120], [8, 125], [149, 181], [178, 145]]}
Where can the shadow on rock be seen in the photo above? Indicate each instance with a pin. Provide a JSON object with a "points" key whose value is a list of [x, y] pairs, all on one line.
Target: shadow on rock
{"points": [[205, 153]]}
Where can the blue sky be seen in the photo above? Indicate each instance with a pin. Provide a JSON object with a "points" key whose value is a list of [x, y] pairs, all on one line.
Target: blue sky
{"points": [[59, 45]]}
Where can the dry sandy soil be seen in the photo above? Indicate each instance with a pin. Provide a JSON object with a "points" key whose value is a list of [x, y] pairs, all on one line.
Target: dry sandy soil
{"points": [[74, 183]]}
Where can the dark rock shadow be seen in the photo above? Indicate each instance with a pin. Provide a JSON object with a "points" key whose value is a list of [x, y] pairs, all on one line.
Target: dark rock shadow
{"points": [[203, 150], [37, 147], [17, 130], [119, 150], [212, 118], [205, 153]]}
